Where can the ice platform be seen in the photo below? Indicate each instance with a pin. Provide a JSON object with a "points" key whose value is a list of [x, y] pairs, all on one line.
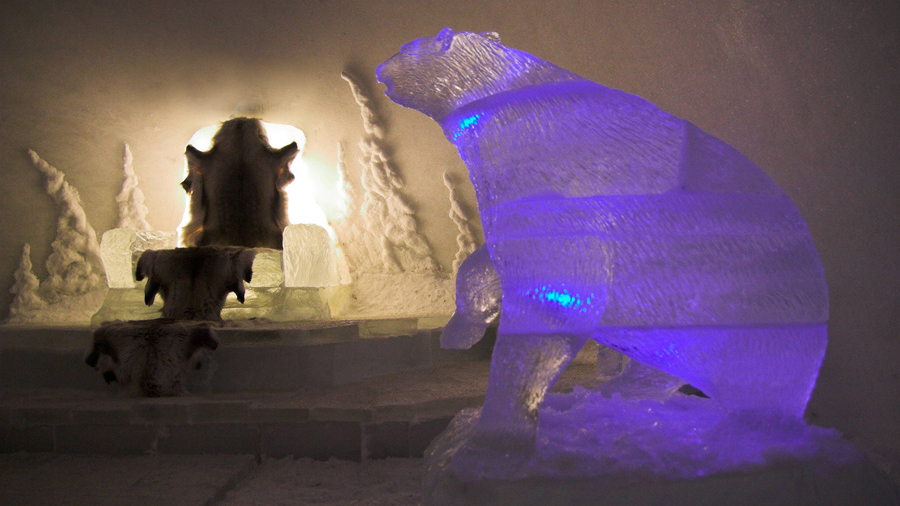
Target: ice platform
{"points": [[632, 449], [351, 390]]}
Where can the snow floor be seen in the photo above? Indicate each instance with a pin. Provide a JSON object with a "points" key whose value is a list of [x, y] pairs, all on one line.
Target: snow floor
{"points": [[242, 480], [232, 480]]}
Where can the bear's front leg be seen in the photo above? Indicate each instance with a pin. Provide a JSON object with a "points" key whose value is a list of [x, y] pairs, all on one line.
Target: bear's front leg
{"points": [[523, 369]]}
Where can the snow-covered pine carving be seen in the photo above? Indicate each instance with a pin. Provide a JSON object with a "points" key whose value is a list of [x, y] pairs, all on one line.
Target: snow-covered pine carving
{"points": [[25, 289], [74, 266], [130, 200], [465, 239], [341, 183], [388, 219]]}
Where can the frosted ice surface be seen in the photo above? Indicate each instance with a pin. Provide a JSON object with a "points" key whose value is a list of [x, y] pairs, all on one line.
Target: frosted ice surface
{"points": [[478, 296], [268, 271], [310, 259], [121, 247], [606, 217], [622, 441]]}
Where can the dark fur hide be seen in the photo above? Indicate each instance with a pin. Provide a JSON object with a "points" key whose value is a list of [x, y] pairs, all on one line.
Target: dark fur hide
{"points": [[236, 188], [150, 358], [194, 282]]}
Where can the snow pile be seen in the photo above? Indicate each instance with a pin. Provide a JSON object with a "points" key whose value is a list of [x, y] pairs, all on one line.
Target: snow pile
{"points": [[76, 283], [405, 295]]}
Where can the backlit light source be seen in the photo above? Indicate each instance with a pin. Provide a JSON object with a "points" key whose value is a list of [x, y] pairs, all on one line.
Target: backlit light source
{"points": [[317, 187]]}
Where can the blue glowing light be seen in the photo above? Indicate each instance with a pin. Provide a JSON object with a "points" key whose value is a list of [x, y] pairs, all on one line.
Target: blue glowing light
{"points": [[465, 123], [561, 297]]}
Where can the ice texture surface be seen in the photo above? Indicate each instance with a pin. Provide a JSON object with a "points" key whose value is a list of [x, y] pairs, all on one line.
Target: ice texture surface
{"points": [[624, 443], [121, 247], [310, 258], [606, 217], [268, 271], [478, 295]]}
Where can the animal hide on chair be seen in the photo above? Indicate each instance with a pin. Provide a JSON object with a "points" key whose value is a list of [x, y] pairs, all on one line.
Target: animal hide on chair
{"points": [[194, 282], [236, 188]]}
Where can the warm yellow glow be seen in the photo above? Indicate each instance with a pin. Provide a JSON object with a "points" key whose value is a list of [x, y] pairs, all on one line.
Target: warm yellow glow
{"points": [[304, 193]]}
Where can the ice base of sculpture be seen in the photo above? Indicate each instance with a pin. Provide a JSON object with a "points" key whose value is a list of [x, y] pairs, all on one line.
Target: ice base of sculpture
{"points": [[640, 448]]}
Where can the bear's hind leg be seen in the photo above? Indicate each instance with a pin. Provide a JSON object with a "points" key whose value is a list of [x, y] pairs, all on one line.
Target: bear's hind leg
{"points": [[523, 369]]}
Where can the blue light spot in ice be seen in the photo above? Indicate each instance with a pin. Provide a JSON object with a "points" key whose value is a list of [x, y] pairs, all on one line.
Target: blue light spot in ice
{"points": [[466, 123], [668, 350], [561, 297], [471, 120]]}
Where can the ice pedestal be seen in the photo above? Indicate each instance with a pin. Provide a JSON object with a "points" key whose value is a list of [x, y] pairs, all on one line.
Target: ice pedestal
{"points": [[120, 249], [295, 289], [311, 259], [682, 450]]}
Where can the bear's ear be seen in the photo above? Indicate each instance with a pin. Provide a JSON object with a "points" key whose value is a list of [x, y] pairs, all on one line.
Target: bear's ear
{"points": [[491, 36], [286, 154], [195, 157], [445, 37]]}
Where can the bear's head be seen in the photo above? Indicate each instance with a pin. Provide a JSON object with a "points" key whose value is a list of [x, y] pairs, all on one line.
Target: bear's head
{"points": [[437, 75]]}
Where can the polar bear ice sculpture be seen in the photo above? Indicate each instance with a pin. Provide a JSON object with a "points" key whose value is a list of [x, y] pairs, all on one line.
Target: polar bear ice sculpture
{"points": [[608, 218]]}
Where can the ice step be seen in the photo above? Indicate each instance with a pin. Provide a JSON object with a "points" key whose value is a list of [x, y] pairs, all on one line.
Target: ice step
{"points": [[260, 358]]}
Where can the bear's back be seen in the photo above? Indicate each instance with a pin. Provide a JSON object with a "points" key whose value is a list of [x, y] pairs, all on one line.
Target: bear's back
{"points": [[581, 139]]}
